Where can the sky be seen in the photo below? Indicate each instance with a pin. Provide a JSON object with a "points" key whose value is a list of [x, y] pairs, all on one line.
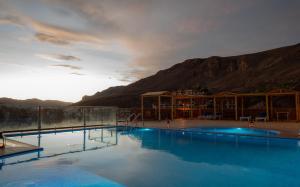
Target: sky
{"points": [[65, 49]]}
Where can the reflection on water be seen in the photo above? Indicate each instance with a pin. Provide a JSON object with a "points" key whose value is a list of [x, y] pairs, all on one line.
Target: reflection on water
{"points": [[154, 157], [63, 143], [209, 148]]}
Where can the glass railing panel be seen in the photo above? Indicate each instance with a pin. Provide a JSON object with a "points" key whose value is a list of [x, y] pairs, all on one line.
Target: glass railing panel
{"points": [[62, 117], [100, 115], [14, 118], [34, 118]]}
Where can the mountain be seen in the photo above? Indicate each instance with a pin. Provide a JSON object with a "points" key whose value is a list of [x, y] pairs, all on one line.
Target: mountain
{"points": [[31, 103], [256, 72]]}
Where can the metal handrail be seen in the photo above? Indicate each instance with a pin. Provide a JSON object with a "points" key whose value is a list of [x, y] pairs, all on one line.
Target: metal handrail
{"points": [[135, 115]]}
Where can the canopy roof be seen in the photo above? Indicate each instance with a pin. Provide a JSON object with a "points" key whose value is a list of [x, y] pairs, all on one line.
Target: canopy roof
{"points": [[229, 94], [225, 93], [282, 91], [156, 93]]}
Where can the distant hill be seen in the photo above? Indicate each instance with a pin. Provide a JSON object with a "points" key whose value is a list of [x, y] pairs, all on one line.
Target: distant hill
{"points": [[257, 72], [31, 103]]}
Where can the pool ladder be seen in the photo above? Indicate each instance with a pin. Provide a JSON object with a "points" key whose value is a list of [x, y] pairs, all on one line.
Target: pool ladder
{"points": [[133, 118]]}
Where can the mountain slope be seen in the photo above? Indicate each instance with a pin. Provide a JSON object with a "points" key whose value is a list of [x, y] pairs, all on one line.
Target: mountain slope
{"points": [[31, 103], [263, 71]]}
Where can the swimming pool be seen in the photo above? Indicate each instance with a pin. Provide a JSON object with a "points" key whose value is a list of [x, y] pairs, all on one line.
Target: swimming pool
{"points": [[153, 157]]}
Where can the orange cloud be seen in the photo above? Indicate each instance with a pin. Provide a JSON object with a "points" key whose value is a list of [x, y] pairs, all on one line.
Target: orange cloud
{"points": [[59, 35], [58, 57]]}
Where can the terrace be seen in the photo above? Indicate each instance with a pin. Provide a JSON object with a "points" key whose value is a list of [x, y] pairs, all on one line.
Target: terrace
{"points": [[80, 146]]}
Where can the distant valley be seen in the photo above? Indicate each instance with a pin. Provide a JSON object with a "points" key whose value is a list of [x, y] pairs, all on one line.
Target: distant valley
{"points": [[8, 102]]}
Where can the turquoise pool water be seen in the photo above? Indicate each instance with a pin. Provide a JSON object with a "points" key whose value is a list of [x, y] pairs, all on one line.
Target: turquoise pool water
{"points": [[235, 130], [153, 157]]}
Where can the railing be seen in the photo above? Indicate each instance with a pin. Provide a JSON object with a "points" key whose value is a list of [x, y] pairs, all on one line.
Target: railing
{"points": [[134, 118], [126, 115], [45, 118], [123, 114]]}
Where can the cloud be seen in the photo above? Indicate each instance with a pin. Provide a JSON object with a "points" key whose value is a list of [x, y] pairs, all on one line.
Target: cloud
{"points": [[9, 19], [145, 36], [72, 67], [158, 34], [68, 57], [61, 36], [51, 39], [58, 57], [12, 64], [129, 75], [76, 73], [49, 33]]}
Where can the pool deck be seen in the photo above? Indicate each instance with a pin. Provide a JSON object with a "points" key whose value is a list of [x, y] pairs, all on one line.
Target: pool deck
{"points": [[287, 129], [13, 147]]}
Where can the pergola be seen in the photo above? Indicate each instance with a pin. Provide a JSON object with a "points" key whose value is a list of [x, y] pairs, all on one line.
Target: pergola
{"points": [[268, 98], [159, 95], [232, 103], [285, 93]]}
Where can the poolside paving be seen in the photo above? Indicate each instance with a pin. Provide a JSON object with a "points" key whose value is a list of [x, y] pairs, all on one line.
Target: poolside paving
{"points": [[13, 147]]}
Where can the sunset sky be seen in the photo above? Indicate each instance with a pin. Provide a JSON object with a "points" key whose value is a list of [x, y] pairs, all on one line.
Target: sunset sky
{"points": [[64, 49]]}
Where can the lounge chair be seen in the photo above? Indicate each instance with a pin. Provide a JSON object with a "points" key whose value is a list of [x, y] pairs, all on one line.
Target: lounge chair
{"points": [[218, 116], [2, 140], [261, 117], [251, 124], [211, 116], [245, 118], [206, 115]]}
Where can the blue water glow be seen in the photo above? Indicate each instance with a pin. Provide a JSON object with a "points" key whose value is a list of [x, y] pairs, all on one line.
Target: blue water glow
{"points": [[155, 157]]}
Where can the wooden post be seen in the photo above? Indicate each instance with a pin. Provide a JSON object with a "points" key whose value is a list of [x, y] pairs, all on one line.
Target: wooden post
{"points": [[117, 116], [267, 107], [242, 105], [142, 107], [271, 108], [159, 117], [191, 108], [215, 109], [172, 108], [297, 107], [236, 107]]}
